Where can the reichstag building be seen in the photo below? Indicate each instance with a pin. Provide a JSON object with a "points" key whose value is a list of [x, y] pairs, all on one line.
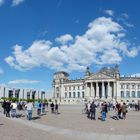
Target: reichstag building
{"points": [[106, 84]]}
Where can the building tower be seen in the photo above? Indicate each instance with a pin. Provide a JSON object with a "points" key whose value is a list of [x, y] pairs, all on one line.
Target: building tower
{"points": [[116, 72], [87, 74], [58, 85]]}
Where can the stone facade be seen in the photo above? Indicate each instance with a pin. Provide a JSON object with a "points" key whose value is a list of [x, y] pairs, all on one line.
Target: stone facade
{"points": [[105, 84]]}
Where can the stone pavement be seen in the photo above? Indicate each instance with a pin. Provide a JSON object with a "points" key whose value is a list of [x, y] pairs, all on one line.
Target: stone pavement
{"points": [[70, 124]]}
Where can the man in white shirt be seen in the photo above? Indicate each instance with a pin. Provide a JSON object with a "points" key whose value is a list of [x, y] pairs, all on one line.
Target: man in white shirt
{"points": [[13, 111], [29, 108]]}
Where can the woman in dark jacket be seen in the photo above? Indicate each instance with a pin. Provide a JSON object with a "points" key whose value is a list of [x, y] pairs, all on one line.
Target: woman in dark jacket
{"points": [[8, 108]]}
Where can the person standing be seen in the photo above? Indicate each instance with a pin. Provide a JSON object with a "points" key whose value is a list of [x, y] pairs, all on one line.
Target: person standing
{"points": [[29, 107], [4, 107], [124, 110], [52, 107], [56, 108], [93, 110], [43, 107], [13, 110], [88, 109], [39, 108], [8, 108]]}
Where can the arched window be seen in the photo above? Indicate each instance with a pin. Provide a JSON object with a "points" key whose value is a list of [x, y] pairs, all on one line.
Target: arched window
{"points": [[78, 94], [73, 94], [65, 94], [122, 94], [138, 94], [69, 94], [133, 94], [127, 94], [83, 94]]}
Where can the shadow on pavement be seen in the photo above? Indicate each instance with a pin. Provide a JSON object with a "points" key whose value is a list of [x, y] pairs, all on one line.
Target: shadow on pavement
{"points": [[35, 118]]}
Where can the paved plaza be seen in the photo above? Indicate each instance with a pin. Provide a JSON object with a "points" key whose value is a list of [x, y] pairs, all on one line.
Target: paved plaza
{"points": [[70, 124]]}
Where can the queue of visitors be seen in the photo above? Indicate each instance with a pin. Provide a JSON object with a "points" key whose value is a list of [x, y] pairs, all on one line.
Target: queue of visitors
{"points": [[10, 108]]}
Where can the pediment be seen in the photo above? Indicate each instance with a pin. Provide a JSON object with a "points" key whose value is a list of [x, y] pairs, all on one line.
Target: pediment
{"points": [[98, 76]]}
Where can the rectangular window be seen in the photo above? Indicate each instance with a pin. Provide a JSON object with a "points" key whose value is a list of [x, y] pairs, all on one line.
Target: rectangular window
{"points": [[78, 87], [10, 93], [127, 86], [122, 86], [28, 95], [73, 87], [133, 86]]}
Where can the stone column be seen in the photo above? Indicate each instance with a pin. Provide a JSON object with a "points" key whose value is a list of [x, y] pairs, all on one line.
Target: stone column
{"points": [[97, 90], [93, 91], [87, 91], [109, 90], [114, 90], [103, 90]]}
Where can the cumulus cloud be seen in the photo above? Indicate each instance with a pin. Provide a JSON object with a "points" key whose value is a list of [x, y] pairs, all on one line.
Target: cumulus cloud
{"points": [[1, 71], [23, 81], [109, 12], [1, 2], [64, 39], [102, 43], [17, 2]]}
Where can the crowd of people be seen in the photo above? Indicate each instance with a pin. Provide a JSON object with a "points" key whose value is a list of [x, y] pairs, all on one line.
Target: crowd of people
{"points": [[94, 110], [10, 108], [119, 110]]}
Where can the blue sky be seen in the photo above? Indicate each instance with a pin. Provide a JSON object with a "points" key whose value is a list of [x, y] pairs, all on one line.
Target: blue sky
{"points": [[40, 37]]}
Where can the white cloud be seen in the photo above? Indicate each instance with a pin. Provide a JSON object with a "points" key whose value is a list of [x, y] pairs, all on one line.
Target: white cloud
{"points": [[109, 12], [102, 43], [125, 15], [17, 2], [128, 24], [1, 71], [135, 75], [1, 2], [23, 81], [64, 38]]}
